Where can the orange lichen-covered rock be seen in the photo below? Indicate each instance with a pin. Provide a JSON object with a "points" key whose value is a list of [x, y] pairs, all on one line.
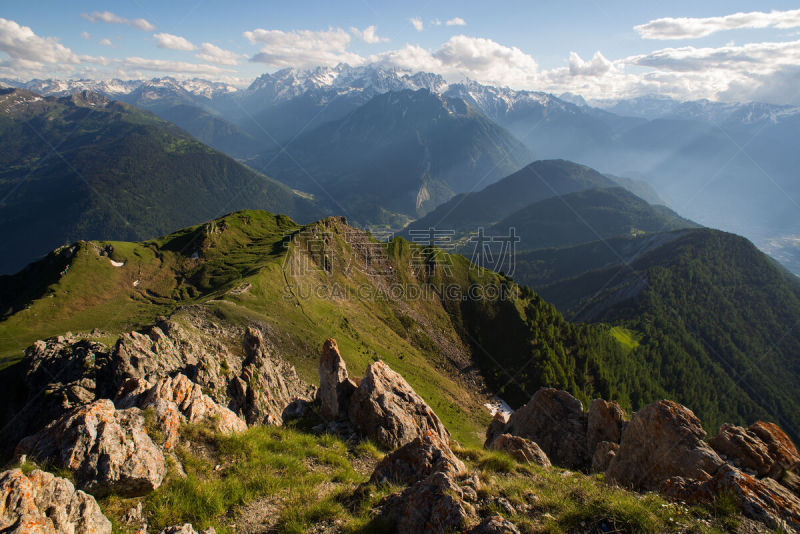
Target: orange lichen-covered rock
{"points": [[416, 460], [41, 503]]}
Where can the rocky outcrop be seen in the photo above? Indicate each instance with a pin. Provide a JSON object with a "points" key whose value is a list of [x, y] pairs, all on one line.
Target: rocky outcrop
{"points": [[495, 524], [41, 503], [764, 500], [57, 375], [251, 384], [388, 411], [555, 420], [743, 449], [605, 422], [780, 448], [521, 449], [496, 427], [335, 388], [663, 440], [108, 450], [604, 452], [417, 460], [176, 401], [434, 505]]}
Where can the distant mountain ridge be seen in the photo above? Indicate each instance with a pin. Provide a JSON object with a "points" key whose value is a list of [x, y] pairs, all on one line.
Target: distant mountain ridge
{"points": [[83, 167]]}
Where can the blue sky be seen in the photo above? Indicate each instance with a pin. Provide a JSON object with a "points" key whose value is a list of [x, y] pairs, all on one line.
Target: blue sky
{"points": [[595, 48]]}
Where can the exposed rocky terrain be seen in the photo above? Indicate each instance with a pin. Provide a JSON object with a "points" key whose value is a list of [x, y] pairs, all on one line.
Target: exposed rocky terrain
{"points": [[118, 420]]}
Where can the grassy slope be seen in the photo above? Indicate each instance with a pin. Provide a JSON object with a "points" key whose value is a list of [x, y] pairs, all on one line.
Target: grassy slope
{"points": [[292, 481]]}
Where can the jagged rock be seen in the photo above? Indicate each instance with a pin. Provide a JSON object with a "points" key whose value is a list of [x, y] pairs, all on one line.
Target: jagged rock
{"points": [[661, 441], [496, 427], [521, 449], [41, 503], [107, 449], [780, 447], [604, 452], [495, 524], [254, 384], [764, 500], [431, 505], [186, 529], [605, 422], [387, 410], [743, 448], [554, 419], [417, 460], [335, 388], [177, 400], [57, 375]]}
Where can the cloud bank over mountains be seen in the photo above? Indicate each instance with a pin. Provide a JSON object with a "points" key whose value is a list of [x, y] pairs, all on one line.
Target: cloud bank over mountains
{"points": [[752, 71]]}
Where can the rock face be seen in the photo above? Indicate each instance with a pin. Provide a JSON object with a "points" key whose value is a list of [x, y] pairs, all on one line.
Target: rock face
{"points": [[256, 386], [663, 440], [521, 449], [605, 422], [417, 460], [177, 400], [431, 505], [555, 420], [335, 387], [41, 503], [388, 411], [779, 446], [107, 449], [764, 500], [742, 448], [496, 427]]}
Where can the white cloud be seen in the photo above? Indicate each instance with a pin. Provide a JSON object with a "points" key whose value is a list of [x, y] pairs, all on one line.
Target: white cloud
{"points": [[417, 23], [461, 56], [300, 48], [111, 18], [105, 42], [172, 42], [690, 28], [86, 35], [436, 22], [20, 43], [456, 21], [598, 65], [214, 54], [369, 35], [161, 65]]}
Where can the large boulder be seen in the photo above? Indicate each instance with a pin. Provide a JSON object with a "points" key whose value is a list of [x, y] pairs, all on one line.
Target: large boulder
{"points": [[764, 500], [335, 387], [554, 419], [521, 449], [41, 503], [662, 440], [433, 505], [177, 400], [388, 411], [605, 422], [417, 460], [108, 450]]}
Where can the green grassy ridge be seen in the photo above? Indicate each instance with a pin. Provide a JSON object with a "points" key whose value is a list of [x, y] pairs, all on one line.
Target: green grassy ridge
{"points": [[86, 168], [252, 267]]}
